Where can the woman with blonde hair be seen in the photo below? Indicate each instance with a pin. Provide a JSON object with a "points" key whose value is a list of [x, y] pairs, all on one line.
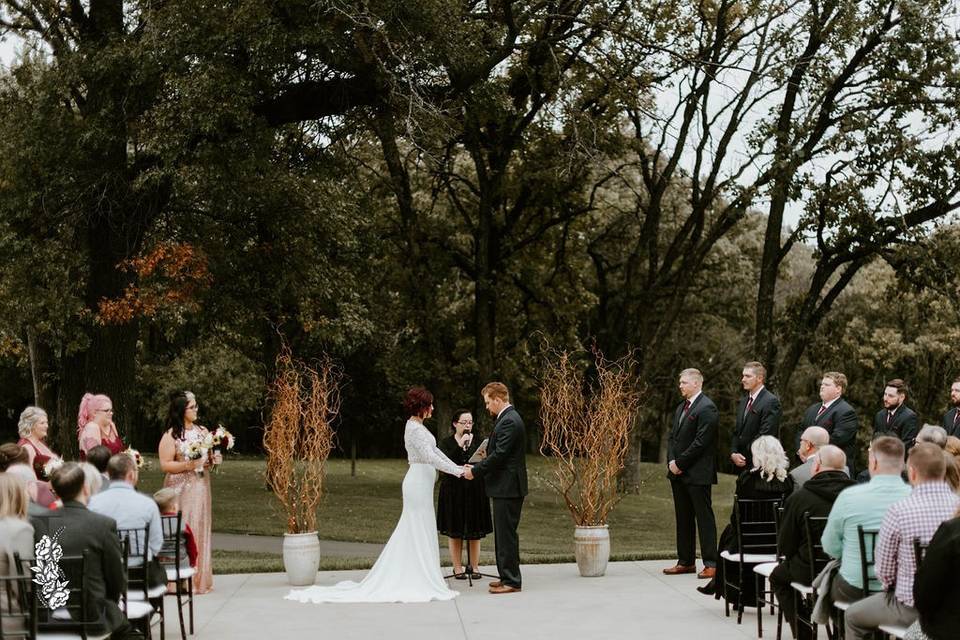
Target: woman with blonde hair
{"points": [[16, 536], [95, 425], [33, 427], [768, 479]]}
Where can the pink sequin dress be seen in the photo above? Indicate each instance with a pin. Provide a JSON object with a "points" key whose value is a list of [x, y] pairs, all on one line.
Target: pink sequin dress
{"points": [[197, 508]]}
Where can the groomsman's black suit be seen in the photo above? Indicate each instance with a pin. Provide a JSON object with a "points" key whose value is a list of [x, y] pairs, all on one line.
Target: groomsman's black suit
{"points": [[840, 421], [95, 536], [902, 424], [763, 419], [504, 471], [693, 445], [951, 422]]}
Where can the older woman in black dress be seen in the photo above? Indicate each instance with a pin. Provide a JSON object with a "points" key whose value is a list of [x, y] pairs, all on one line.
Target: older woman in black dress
{"points": [[463, 510]]}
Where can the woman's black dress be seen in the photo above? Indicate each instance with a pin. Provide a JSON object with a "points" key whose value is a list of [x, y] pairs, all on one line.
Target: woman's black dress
{"points": [[463, 510], [750, 486]]}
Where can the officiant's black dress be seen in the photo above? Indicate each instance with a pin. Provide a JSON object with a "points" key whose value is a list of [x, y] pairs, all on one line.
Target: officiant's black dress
{"points": [[463, 509]]}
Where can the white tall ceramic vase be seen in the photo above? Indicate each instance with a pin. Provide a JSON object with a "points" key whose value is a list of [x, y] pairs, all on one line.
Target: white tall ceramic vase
{"points": [[301, 557], [592, 550]]}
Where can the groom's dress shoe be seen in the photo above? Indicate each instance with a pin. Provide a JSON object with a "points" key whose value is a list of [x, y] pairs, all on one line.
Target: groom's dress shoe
{"points": [[496, 583], [679, 569], [504, 588]]}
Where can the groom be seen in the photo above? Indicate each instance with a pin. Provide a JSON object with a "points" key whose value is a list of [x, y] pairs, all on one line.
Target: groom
{"points": [[505, 472]]}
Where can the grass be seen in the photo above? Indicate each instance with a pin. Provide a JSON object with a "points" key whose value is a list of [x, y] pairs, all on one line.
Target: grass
{"points": [[365, 508]]}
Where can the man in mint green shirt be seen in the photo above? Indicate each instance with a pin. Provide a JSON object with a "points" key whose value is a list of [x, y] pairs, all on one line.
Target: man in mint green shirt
{"points": [[864, 505]]}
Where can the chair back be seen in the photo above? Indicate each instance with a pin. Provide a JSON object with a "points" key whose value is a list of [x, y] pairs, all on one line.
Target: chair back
{"points": [[75, 616], [136, 557], [868, 541], [816, 557], [756, 522], [18, 608], [172, 554], [919, 549]]}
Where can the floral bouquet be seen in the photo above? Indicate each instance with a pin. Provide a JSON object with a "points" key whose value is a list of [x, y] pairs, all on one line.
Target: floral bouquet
{"points": [[133, 453], [196, 450], [222, 439], [52, 465]]}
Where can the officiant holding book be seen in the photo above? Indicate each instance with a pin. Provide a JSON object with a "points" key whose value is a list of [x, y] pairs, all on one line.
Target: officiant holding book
{"points": [[463, 509]]}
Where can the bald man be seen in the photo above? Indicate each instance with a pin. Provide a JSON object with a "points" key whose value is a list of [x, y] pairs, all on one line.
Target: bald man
{"points": [[811, 441]]}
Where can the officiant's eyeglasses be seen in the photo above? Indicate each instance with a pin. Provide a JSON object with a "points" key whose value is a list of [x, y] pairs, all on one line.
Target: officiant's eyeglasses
{"points": [[464, 422]]}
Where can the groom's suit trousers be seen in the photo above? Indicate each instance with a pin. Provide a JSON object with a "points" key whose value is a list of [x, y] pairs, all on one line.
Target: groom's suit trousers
{"points": [[506, 519]]}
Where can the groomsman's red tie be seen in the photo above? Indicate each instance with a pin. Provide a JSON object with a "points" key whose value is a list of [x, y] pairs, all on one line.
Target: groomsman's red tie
{"points": [[686, 409], [889, 417], [823, 408], [956, 418], [749, 405]]}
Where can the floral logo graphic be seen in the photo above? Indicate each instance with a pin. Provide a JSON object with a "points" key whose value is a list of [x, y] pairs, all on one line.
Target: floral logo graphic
{"points": [[53, 584]]}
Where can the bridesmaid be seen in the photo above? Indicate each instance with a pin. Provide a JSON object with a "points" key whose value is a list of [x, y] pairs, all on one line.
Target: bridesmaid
{"points": [[95, 425], [33, 427], [187, 477]]}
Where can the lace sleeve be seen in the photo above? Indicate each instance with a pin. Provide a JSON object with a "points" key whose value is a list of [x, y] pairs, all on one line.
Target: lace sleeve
{"points": [[421, 447]]}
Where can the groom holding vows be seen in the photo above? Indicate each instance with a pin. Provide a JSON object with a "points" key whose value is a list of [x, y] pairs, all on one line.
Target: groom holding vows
{"points": [[505, 472]]}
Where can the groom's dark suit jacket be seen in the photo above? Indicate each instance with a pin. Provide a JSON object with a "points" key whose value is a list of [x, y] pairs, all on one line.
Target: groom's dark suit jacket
{"points": [[762, 420], [504, 470], [693, 442]]}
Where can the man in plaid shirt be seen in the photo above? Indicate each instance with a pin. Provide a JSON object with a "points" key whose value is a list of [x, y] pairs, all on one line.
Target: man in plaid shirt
{"points": [[918, 516]]}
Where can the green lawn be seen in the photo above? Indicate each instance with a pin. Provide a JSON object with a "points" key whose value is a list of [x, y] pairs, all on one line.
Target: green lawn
{"points": [[365, 508]]}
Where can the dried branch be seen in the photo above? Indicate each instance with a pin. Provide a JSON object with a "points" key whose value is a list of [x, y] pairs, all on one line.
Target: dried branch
{"points": [[298, 437], [586, 429]]}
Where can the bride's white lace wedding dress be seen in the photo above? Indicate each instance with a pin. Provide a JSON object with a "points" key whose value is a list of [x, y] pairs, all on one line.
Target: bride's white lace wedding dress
{"points": [[408, 569]]}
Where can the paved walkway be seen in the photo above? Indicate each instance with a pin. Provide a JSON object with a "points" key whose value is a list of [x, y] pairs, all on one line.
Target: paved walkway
{"points": [[634, 600]]}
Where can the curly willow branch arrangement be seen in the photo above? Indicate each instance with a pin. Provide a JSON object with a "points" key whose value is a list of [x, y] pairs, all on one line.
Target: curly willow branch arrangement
{"points": [[304, 401], [586, 429]]}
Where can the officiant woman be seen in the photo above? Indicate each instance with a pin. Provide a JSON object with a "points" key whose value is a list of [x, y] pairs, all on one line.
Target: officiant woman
{"points": [[463, 510]]}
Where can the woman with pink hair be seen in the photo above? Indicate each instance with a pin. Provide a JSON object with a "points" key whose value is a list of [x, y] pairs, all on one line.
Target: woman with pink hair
{"points": [[95, 425]]}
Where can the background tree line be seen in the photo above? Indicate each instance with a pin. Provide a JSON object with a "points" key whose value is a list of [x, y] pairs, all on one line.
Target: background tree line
{"points": [[426, 189]]}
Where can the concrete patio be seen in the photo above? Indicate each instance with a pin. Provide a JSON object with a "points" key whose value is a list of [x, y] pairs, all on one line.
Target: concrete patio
{"points": [[634, 600]]}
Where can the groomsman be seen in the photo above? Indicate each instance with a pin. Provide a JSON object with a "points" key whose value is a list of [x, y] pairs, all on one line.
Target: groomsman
{"points": [[896, 419], [951, 419], [835, 414], [758, 414], [692, 470]]}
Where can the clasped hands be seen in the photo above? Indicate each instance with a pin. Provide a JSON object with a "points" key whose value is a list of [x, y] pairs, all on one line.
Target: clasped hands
{"points": [[467, 471]]}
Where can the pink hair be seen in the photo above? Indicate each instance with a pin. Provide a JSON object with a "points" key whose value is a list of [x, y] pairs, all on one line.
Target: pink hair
{"points": [[89, 405]]}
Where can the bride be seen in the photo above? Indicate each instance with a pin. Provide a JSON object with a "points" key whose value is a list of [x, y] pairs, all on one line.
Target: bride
{"points": [[408, 569]]}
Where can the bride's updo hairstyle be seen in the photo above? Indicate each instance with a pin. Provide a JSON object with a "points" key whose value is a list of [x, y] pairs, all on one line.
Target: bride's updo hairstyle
{"points": [[417, 401]]}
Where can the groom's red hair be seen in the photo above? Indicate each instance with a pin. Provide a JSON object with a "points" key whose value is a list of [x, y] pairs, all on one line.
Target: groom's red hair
{"points": [[497, 391]]}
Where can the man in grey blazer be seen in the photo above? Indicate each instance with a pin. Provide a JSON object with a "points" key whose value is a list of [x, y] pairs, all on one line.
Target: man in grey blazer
{"points": [[811, 440], [504, 471]]}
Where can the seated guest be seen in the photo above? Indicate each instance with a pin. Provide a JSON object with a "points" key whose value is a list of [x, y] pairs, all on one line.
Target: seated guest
{"points": [[815, 497], [768, 479], [16, 536], [131, 510], [916, 517], [864, 505], [86, 532], [811, 441], [14, 459], [169, 503], [933, 434], [936, 589], [99, 457]]}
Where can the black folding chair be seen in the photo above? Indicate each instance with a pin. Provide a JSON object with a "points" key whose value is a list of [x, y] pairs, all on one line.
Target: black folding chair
{"points": [[173, 558], [804, 595], [74, 619], [762, 574], [139, 597], [18, 607], [756, 529], [867, 540]]}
